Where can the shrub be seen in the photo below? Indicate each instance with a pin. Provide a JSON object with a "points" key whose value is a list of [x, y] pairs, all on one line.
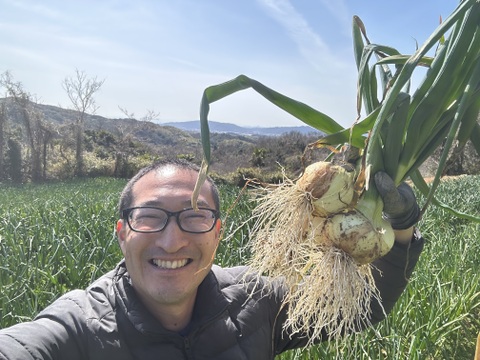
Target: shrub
{"points": [[242, 175]]}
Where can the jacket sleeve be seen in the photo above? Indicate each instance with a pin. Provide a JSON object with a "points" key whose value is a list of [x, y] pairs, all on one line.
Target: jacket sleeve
{"points": [[56, 333], [391, 274]]}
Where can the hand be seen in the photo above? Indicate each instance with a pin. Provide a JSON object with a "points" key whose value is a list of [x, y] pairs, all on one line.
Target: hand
{"points": [[400, 207]]}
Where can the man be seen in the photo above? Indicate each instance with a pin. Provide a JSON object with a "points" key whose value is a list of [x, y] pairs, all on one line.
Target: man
{"points": [[166, 300]]}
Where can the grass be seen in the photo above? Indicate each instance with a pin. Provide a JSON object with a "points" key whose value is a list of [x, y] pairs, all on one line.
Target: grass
{"points": [[53, 238], [56, 237]]}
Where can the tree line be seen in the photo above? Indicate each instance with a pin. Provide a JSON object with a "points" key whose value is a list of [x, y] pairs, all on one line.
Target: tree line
{"points": [[35, 149]]}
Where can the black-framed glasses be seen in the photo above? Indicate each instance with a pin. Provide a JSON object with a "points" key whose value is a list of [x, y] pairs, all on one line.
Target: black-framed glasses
{"points": [[148, 219]]}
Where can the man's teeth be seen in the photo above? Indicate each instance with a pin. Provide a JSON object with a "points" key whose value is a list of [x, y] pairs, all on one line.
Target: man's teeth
{"points": [[170, 264]]}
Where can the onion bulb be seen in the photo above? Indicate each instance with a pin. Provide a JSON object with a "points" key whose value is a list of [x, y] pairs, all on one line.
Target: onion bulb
{"points": [[330, 187], [353, 233]]}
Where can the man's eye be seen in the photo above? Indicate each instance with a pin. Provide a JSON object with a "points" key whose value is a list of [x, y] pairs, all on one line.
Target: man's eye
{"points": [[195, 216], [145, 214], [149, 216]]}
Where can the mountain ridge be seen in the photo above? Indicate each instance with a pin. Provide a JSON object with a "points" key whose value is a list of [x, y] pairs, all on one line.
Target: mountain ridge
{"points": [[221, 127]]}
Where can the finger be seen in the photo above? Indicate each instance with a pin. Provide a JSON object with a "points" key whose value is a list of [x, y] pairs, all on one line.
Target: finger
{"points": [[406, 193], [385, 184]]}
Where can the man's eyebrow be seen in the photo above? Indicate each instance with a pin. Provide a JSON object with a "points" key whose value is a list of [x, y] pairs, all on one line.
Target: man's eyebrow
{"points": [[185, 204]]}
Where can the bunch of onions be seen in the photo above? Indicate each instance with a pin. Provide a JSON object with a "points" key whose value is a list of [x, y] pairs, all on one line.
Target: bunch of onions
{"points": [[320, 238], [321, 232]]}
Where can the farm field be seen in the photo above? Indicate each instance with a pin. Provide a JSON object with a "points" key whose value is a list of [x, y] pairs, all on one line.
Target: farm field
{"points": [[56, 237]]}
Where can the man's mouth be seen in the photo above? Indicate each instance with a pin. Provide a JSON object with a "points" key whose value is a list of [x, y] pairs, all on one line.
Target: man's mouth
{"points": [[166, 264]]}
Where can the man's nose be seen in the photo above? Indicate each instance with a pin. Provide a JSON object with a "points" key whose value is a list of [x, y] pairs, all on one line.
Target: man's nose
{"points": [[171, 238]]}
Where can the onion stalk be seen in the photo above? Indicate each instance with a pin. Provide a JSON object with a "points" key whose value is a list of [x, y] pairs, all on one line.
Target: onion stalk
{"points": [[322, 232]]}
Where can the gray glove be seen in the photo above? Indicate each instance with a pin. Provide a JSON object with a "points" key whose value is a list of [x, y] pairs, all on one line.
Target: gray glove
{"points": [[400, 207]]}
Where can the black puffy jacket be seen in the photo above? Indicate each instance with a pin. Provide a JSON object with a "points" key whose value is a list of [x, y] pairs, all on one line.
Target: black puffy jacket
{"points": [[107, 320]]}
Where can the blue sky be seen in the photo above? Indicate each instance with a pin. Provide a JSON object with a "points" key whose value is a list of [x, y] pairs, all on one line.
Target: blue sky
{"points": [[160, 55]]}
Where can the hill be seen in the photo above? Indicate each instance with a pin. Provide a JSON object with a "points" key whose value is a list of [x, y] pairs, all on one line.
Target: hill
{"points": [[119, 147], [139, 142], [60, 116]]}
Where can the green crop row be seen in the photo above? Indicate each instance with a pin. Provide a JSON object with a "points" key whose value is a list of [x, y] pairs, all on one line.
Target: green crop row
{"points": [[56, 237]]}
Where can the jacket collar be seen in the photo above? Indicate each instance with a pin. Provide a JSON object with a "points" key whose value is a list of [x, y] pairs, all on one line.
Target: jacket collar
{"points": [[210, 303]]}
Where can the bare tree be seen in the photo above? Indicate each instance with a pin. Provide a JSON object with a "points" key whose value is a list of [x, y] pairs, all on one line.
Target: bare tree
{"points": [[48, 132], [150, 115], [122, 149], [32, 119], [81, 90]]}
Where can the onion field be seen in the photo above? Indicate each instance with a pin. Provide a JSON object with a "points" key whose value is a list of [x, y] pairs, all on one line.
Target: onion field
{"points": [[56, 237]]}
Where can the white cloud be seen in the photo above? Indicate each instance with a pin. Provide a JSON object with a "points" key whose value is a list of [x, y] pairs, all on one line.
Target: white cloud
{"points": [[310, 44]]}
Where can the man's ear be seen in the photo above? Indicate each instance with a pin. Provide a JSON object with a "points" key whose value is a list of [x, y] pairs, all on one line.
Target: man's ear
{"points": [[120, 230], [218, 227]]}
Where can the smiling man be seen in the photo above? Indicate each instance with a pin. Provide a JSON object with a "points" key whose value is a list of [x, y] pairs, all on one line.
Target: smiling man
{"points": [[167, 300], [168, 247]]}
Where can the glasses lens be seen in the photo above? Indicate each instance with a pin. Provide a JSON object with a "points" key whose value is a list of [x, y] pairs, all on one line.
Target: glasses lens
{"points": [[148, 219], [197, 221]]}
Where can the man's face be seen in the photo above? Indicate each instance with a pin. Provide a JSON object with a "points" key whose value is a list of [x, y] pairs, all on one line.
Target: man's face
{"points": [[167, 267]]}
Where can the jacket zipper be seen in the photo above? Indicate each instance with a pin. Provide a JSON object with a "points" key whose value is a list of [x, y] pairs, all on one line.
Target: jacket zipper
{"points": [[188, 349], [186, 339]]}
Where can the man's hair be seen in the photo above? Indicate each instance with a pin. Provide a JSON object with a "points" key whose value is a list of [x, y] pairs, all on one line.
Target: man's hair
{"points": [[126, 197]]}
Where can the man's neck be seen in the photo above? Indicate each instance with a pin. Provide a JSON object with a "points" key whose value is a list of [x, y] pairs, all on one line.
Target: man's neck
{"points": [[174, 317]]}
